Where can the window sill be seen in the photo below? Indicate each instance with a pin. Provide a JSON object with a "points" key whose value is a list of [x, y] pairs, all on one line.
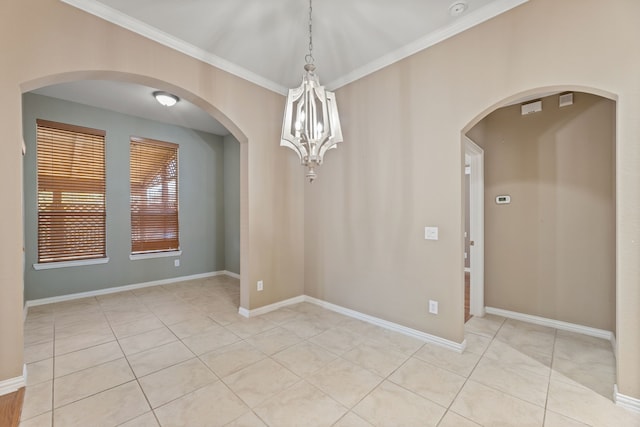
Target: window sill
{"points": [[135, 257], [63, 264]]}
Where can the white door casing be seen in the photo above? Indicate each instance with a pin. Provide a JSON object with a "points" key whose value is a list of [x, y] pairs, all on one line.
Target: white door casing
{"points": [[476, 229]]}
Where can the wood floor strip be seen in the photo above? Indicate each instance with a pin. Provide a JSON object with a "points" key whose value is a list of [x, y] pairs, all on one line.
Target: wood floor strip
{"points": [[467, 296], [10, 408]]}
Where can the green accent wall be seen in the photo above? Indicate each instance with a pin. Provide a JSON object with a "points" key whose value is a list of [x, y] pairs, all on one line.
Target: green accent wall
{"points": [[202, 197], [232, 203]]}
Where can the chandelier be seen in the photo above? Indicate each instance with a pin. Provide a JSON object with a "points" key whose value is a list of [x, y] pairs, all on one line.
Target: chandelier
{"points": [[311, 125]]}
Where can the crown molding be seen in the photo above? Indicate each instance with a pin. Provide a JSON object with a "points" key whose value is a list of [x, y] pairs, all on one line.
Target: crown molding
{"points": [[116, 17], [461, 24]]}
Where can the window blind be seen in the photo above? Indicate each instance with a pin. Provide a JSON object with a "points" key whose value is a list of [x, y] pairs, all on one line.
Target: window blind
{"points": [[71, 192], [154, 196]]}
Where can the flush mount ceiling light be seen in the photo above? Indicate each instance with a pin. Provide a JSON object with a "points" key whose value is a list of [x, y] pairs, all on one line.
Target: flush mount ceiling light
{"points": [[311, 125], [458, 8], [165, 98]]}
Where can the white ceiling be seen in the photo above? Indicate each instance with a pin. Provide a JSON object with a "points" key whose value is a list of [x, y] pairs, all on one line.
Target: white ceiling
{"points": [[134, 100], [265, 41]]}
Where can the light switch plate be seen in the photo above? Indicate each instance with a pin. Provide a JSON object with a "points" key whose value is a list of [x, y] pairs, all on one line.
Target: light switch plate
{"points": [[431, 233], [433, 307]]}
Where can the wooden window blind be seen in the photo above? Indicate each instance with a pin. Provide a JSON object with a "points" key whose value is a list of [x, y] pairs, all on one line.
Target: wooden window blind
{"points": [[154, 196], [71, 192]]}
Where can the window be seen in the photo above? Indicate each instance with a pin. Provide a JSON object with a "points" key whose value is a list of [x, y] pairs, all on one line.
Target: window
{"points": [[154, 196], [71, 192]]}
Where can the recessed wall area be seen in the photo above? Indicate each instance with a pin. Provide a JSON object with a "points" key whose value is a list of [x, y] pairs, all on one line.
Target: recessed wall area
{"points": [[550, 252], [209, 201]]}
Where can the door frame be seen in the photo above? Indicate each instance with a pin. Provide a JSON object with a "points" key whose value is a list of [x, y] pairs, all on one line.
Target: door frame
{"points": [[476, 226]]}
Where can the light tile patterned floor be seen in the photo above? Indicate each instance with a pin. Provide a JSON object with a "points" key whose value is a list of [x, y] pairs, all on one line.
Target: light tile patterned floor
{"points": [[180, 355]]}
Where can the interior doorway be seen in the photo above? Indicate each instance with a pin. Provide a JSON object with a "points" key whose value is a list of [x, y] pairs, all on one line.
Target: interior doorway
{"points": [[552, 175], [197, 111]]}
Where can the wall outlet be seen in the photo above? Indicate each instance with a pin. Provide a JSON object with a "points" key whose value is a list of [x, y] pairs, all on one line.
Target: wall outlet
{"points": [[260, 285], [176, 263], [433, 306]]}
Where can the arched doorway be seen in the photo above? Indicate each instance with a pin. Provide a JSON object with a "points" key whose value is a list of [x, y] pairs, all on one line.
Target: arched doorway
{"points": [[553, 174], [193, 99]]}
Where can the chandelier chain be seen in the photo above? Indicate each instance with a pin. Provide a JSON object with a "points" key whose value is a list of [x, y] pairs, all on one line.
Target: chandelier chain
{"points": [[309, 57]]}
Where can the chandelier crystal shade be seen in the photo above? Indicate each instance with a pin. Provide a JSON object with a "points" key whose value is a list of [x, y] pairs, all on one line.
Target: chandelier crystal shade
{"points": [[311, 124]]}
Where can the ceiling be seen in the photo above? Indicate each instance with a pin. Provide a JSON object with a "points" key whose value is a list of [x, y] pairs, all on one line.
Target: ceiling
{"points": [[134, 100], [265, 41]]}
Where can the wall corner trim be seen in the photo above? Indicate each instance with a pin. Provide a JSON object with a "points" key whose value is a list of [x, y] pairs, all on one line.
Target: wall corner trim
{"points": [[231, 274], [14, 384], [404, 330], [271, 307], [551, 323], [627, 402]]}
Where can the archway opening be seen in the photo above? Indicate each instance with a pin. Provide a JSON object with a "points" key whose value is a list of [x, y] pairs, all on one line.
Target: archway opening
{"points": [[208, 146], [549, 225]]}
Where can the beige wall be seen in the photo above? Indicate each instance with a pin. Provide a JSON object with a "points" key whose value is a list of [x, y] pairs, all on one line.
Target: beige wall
{"points": [[400, 167], [551, 251], [44, 38]]}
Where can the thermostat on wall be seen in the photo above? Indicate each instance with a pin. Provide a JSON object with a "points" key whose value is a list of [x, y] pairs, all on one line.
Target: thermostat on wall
{"points": [[503, 200]]}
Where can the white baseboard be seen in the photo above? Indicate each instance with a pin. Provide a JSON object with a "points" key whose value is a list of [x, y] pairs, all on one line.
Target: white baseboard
{"points": [[14, 384], [627, 402], [551, 323], [271, 307], [106, 291], [422, 336], [231, 274]]}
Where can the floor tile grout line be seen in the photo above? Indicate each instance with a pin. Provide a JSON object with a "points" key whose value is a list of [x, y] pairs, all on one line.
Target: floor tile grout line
{"points": [[546, 400], [53, 380], [301, 378], [468, 377], [53, 343], [307, 339], [553, 358], [207, 366], [138, 378], [153, 410], [134, 376], [383, 378], [196, 356], [511, 395]]}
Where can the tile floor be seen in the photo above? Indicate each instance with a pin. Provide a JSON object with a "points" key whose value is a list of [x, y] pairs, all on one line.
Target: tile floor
{"points": [[180, 355]]}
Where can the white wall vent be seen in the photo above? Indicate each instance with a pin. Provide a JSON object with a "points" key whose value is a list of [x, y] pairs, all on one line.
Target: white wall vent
{"points": [[531, 107], [566, 99]]}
